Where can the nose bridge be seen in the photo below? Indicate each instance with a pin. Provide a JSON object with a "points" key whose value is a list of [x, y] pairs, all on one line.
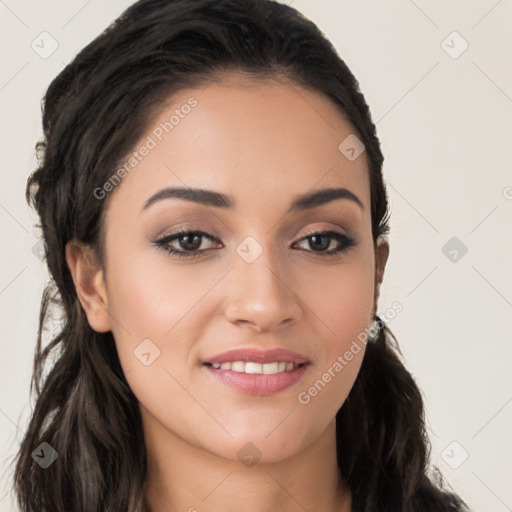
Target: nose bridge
{"points": [[259, 293]]}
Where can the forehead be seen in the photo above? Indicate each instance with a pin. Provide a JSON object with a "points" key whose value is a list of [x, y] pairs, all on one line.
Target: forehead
{"points": [[264, 141]]}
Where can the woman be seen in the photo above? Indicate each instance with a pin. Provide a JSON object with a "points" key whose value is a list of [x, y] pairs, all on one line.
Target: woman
{"points": [[215, 220]]}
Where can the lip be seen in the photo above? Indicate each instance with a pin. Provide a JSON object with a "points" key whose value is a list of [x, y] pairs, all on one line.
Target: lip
{"points": [[258, 356], [257, 384]]}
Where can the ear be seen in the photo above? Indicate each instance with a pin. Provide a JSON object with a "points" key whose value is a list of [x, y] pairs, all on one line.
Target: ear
{"points": [[89, 281], [381, 258]]}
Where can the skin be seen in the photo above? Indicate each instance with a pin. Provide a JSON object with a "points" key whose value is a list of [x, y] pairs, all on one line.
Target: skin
{"points": [[263, 143]]}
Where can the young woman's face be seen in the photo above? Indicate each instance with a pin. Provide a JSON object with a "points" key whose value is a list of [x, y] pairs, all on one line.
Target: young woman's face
{"points": [[261, 282]]}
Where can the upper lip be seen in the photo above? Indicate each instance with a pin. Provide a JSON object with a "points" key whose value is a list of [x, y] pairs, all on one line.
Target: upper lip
{"points": [[258, 356]]}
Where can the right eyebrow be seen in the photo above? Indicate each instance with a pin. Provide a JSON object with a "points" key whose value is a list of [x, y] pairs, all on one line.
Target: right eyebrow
{"points": [[219, 200]]}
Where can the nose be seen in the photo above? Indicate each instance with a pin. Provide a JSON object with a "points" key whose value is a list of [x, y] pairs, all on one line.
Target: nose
{"points": [[261, 295]]}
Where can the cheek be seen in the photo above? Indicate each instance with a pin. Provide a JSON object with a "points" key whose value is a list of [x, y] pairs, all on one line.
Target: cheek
{"points": [[138, 303], [342, 303], [151, 298], [148, 296], [152, 303], [342, 298]]}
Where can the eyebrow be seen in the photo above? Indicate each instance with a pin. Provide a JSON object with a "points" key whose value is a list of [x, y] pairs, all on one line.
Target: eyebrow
{"points": [[211, 198]]}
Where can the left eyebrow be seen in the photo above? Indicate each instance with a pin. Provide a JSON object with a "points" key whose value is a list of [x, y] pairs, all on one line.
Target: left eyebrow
{"points": [[212, 198]]}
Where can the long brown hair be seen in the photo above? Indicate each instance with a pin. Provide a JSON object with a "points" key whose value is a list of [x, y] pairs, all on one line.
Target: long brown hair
{"points": [[94, 112]]}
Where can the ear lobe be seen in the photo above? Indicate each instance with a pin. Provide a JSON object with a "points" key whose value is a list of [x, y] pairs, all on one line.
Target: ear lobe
{"points": [[89, 283], [381, 258]]}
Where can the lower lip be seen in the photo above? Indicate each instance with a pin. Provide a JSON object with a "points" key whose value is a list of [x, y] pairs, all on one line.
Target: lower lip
{"points": [[258, 384]]}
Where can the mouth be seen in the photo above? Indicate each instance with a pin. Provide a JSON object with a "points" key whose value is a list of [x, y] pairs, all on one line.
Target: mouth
{"points": [[252, 367], [258, 379], [257, 372]]}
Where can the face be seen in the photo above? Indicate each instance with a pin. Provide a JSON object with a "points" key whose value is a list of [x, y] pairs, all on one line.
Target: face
{"points": [[255, 273]]}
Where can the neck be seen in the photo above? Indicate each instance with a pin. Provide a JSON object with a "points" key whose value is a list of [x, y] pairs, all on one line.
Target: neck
{"points": [[187, 478]]}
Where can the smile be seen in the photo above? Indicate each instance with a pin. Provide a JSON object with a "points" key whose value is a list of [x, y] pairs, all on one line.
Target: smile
{"points": [[258, 368], [257, 378]]}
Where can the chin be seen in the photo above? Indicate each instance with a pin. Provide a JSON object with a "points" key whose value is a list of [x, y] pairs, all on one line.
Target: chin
{"points": [[259, 447]]}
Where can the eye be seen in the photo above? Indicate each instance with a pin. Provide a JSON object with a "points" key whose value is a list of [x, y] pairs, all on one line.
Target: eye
{"points": [[190, 243], [319, 241]]}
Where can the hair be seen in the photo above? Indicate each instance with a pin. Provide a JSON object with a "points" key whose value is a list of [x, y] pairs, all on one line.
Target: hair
{"points": [[94, 112]]}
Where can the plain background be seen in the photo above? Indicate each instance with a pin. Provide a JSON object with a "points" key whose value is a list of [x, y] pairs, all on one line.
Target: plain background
{"points": [[445, 124]]}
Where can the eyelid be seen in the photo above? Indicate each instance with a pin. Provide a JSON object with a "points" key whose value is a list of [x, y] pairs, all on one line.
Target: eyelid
{"points": [[345, 242], [211, 234], [174, 235], [315, 231]]}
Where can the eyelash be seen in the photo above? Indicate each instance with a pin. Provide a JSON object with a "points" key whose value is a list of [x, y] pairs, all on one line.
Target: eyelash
{"points": [[345, 241]]}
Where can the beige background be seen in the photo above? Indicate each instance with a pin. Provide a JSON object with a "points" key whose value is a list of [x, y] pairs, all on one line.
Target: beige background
{"points": [[445, 125]]}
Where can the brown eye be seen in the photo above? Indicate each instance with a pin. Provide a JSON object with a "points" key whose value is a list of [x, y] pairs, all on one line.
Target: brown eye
{"points": [[188, 242], [319, 241]]}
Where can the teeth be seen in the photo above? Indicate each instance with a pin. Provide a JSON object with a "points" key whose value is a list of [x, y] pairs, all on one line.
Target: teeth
{"points": [[269, 368], [258, 368], [250, 368], [238, 366]]}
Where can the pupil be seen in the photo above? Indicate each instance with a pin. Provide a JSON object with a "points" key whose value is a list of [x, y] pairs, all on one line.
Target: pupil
{"points": [[190, 242], [318, 237], [187, 242]]}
